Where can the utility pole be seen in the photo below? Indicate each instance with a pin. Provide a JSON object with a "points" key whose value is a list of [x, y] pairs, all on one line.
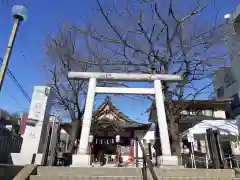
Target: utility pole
{"points": [[19, 15]]}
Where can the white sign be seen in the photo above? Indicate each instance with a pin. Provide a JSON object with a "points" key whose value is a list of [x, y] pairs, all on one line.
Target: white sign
{"points": [[40, 100], [190, 137]]}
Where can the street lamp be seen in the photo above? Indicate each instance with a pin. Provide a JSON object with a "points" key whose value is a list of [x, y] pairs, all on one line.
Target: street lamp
{"points": [[19, 14], [227, 16], [90, 140]]}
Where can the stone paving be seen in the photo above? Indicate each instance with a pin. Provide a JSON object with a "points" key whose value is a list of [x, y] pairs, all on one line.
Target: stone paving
{"points": [[106, 173]]}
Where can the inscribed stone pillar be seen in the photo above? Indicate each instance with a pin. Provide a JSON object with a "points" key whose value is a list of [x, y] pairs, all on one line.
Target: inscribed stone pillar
{"points": [[33, 138]]}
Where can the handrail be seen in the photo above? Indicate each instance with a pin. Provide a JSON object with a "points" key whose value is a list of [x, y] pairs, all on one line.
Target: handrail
{"points": [[147, 160]]}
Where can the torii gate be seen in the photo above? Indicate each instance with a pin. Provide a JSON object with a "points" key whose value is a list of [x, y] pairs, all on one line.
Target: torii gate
{"points": [[82, 157]]}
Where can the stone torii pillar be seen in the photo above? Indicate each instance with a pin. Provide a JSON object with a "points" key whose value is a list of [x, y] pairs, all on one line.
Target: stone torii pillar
{"points": [[82, 158]]}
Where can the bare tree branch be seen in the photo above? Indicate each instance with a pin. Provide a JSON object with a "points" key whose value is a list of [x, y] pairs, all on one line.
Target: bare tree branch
{"points": [[158, 42]]}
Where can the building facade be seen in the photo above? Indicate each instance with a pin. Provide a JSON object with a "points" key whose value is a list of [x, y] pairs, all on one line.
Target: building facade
{"points": [[226, 86], [227, 80]]}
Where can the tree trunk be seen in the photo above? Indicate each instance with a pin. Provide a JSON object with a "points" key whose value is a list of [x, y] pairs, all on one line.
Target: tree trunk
{"points": [[75, 134], [157, 145], [174, 138], [173, 128]]}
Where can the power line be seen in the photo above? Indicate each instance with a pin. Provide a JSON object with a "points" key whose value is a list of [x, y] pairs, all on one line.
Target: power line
{"points": [[25, 58], [14, 98], [17, 83]]}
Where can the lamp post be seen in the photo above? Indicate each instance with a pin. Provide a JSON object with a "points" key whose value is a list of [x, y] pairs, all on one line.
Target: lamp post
{"points": [[118, 148], [228, 19], [227, 16], [19, 14], [90, 140]]}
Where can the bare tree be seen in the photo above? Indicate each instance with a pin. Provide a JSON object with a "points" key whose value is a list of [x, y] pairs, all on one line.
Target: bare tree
{"points": [[8, 2], [64, 56], [159, 37], [65, 53]]}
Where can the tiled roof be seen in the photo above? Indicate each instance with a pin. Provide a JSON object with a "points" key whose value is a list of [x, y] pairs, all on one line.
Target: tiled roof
{"points": [[107, 108]]}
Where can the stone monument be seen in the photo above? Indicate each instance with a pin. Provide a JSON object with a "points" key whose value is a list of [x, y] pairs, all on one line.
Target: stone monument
{"points": [[35, 131]]}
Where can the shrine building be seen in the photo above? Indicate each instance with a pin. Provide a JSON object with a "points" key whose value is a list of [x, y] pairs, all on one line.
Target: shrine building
{"points": [[108, 121]]}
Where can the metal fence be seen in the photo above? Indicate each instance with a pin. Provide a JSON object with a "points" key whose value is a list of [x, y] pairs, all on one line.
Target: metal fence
{"points": [[9, 143], [230, 161]]}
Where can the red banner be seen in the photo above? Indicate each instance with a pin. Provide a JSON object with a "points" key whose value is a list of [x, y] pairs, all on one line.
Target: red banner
{"points": [[131, 158]]}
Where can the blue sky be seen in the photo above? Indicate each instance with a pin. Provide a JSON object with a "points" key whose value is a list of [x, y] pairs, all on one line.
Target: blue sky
{"points": [[44, 17]]}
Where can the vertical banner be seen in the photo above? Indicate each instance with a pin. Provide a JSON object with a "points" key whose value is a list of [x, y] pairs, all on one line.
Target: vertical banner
{"points": [[132, 149]]}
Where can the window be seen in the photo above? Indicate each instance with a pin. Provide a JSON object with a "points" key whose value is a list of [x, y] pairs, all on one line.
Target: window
{"points": [[228, 77], [192, 112], [228, 114], [195, 112], [199, 112], [235, 102], [220, 92], [208, 112]]}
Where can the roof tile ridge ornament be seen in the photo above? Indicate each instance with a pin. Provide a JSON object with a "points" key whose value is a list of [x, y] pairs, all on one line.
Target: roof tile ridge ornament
{"points": [[108, 99]]}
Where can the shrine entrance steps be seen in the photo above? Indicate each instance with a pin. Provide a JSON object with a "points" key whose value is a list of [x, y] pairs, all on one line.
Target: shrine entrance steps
{"points": [[102, 173]]}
